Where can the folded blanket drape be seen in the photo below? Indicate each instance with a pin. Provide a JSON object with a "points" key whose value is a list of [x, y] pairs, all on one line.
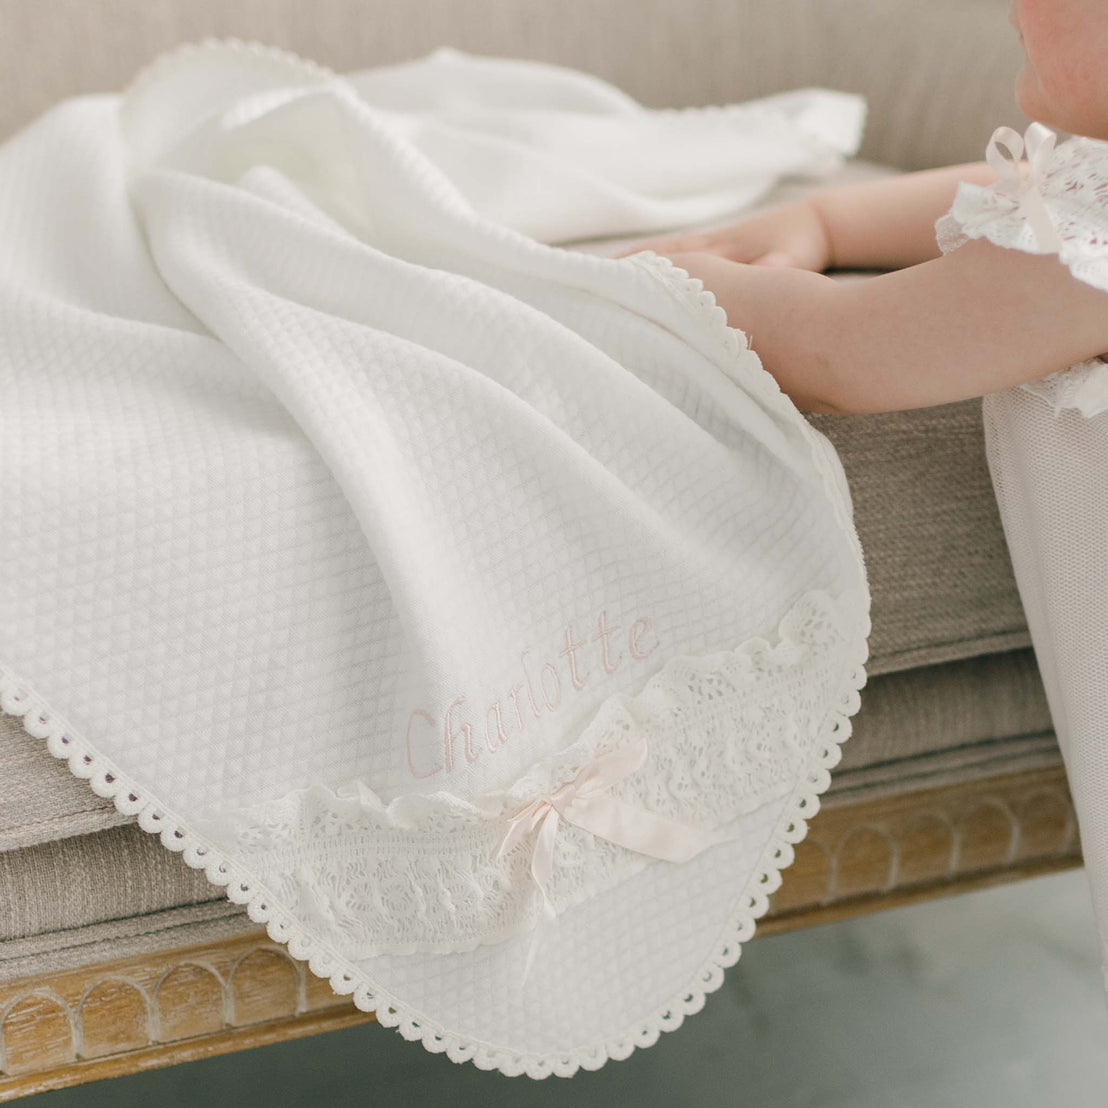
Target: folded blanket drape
{"points": [[349, 527]]}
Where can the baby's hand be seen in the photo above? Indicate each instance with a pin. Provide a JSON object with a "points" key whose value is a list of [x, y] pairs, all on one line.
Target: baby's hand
{"points": [[789, 234], [786, 315]]}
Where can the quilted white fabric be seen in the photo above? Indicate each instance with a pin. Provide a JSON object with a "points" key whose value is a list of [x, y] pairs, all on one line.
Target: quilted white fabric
{"points": [[350, 525], [1047, 449]]}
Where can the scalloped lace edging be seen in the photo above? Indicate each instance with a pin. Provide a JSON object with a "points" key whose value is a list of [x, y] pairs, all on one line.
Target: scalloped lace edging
{"points": [[1073, 191], [726, 733], [1075, 185], [1008, 229], [163, 64], [107, 780], [346, 978], [700, 303], [745, 367], [742, 362], [1082, 387], [688, 291], [739, 361]]}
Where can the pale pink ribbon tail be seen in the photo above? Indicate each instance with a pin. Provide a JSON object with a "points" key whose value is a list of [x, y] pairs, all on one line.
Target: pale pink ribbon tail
{"points": [[584, 801], [1040, 146]]}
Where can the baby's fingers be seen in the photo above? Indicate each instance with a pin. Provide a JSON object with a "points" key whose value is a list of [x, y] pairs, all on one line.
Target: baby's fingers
{"points": [[674, 244], [776, 257]]}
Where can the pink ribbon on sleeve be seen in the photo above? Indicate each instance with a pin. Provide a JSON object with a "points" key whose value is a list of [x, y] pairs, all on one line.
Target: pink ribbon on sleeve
{"points": [[585, 801], [1040, 145]]}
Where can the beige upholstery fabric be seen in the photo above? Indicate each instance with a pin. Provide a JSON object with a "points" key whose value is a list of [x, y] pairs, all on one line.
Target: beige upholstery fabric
{"points": [[938, 75], [938, 566], [917, 729], [953, 689]]}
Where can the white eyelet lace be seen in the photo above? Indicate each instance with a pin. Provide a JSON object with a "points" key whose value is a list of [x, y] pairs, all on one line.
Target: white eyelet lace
{"points": [[1074, 189]]}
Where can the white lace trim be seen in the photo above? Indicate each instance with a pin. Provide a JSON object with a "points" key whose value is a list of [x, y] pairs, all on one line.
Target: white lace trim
{"points": [[307, 939], [727, 733], [1082, 387], [1075, 193], [742, 363], [243, 886], [737, 360], [345, 977], [744, 366]]}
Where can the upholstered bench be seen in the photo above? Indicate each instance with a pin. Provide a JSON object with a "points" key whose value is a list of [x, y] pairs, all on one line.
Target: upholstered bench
{"points": [[115, 955]]}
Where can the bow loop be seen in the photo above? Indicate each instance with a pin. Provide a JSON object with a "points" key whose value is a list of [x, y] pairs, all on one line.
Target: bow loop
{"points": [[603, 772], [518, 826], [585, 801], [1009, 181]]}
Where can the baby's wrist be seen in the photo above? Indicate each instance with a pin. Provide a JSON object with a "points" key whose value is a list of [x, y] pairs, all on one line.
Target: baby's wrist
{"points": [[820, 233]]}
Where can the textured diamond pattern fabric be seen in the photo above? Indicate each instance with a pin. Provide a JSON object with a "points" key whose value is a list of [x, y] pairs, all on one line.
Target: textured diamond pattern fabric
{"points": [[325, 479]]}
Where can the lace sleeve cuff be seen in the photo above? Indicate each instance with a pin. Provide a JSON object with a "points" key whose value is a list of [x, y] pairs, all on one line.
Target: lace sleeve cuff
{"points": [[1060, 207]]}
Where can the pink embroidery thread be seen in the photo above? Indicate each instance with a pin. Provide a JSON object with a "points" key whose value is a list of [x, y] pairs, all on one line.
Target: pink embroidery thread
{"points": [[444, 738]]}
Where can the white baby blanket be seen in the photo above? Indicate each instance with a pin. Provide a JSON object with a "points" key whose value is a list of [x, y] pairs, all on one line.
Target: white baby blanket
{"points": [[419, 581]]}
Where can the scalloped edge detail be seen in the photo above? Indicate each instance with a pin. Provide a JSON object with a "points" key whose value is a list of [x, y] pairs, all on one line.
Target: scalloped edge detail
{"points": [[1067, 389], [711, 662], [698, 302], [650, 688], [739, 362], [18, 698], [183, 51]]}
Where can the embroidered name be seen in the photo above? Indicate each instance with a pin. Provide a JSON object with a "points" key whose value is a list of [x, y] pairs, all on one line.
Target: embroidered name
{"points": [[433, 741]]}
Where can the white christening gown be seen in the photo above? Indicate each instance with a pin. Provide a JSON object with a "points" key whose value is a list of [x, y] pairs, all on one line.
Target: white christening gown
{"points": [[1047, 449]]}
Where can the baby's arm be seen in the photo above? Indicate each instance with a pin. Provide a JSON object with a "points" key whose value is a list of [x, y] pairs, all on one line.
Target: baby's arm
{"points": [[948, 327], [943, 328], [976, 320], [890, 223]]}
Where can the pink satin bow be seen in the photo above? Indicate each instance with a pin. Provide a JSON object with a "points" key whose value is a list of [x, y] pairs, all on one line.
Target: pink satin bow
{"points": [[584, 801], [1040, 144]]}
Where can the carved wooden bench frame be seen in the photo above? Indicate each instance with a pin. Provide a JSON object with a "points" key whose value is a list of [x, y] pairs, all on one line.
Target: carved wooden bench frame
{"points": [[177, 1005]]}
